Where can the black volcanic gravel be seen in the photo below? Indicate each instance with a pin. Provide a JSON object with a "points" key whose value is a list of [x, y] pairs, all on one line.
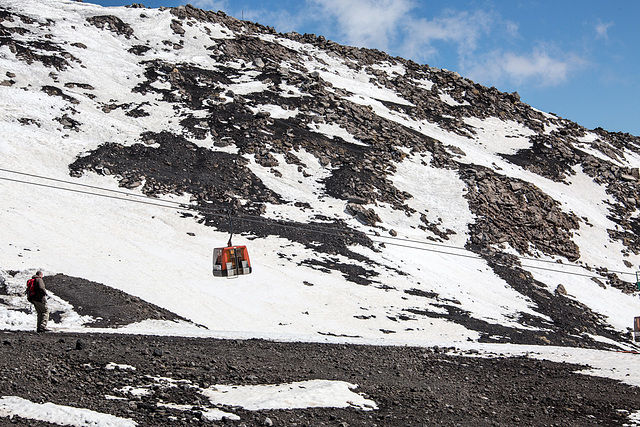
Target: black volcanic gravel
{"points": [[411, 386]]}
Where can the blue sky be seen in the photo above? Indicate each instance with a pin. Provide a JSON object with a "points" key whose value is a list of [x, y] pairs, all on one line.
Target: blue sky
{"points": [[578, 59]]}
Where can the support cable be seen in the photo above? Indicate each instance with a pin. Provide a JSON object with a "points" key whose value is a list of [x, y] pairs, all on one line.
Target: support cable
{"points": [[178, 206]]}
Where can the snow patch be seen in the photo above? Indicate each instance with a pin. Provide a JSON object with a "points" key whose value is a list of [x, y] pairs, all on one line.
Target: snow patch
{"points": [[448, 99], [332, 130], [304, 394], [14, 406]]}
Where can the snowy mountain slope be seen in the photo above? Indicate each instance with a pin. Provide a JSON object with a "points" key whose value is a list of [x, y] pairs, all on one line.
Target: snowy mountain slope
{"points": [[380, 199]]}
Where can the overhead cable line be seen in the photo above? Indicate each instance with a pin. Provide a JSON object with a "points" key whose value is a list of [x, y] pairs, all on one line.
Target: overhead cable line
{"points": [[92, 194], [570, 272], [79, 184], [182, 206], [179, 206]]}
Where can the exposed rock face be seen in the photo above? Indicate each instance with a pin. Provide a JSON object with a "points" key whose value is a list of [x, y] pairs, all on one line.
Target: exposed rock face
{"points": [[109, 308], [48, 53], [111, 23], [366, 216], [519, 214], [178, 166]]}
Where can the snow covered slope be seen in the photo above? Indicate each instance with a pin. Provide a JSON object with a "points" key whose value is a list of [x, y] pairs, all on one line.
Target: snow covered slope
{"points": [[381, 200]]}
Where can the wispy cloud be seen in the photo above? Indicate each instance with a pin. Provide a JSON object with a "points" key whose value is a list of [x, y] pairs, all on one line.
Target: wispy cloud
{"points": [[538, 67], [371, 23], [512, 28], [602, 29], [281, 19], [390, 25], [462, 29]]}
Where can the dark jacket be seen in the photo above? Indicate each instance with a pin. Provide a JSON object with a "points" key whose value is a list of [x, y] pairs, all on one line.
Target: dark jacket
{"points": [[41, 292]]}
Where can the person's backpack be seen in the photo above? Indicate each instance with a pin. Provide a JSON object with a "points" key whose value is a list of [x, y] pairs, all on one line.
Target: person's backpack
{"points": [[31, 289]]}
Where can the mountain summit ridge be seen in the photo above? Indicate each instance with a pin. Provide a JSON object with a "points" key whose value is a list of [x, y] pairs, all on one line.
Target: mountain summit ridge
{"points": [[399, 195]]}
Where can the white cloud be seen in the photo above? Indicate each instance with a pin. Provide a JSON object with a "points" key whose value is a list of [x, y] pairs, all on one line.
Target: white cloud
{"points": [[463, 29], [512, 29], [283, 20], [392, 26], [371, 23], [538, 67], [602, 29]]}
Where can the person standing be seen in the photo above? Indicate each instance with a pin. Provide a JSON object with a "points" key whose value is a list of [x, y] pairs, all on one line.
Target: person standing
{"points": [[37, 295]]}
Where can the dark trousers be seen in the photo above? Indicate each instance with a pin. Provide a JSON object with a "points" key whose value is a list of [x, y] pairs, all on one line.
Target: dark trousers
{"points": [[43, 314]]}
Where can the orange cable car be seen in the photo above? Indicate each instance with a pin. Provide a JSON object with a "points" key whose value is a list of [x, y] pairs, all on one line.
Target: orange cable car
{"points": [[231, 261]]}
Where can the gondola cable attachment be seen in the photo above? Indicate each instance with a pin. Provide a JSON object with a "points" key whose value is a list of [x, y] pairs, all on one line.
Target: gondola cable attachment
{"points": [[231, 261]]}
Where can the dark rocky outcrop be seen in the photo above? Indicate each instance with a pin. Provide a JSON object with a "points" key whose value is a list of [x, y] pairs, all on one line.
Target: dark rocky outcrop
{"points": [[109, 307], [519, 214], [111, 23]]}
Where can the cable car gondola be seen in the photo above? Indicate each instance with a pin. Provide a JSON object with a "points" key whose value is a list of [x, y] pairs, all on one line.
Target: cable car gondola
{"points": [[231, 261]]}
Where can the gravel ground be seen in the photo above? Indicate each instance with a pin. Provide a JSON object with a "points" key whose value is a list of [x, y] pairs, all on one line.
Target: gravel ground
{"points": [[411, 386]]}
